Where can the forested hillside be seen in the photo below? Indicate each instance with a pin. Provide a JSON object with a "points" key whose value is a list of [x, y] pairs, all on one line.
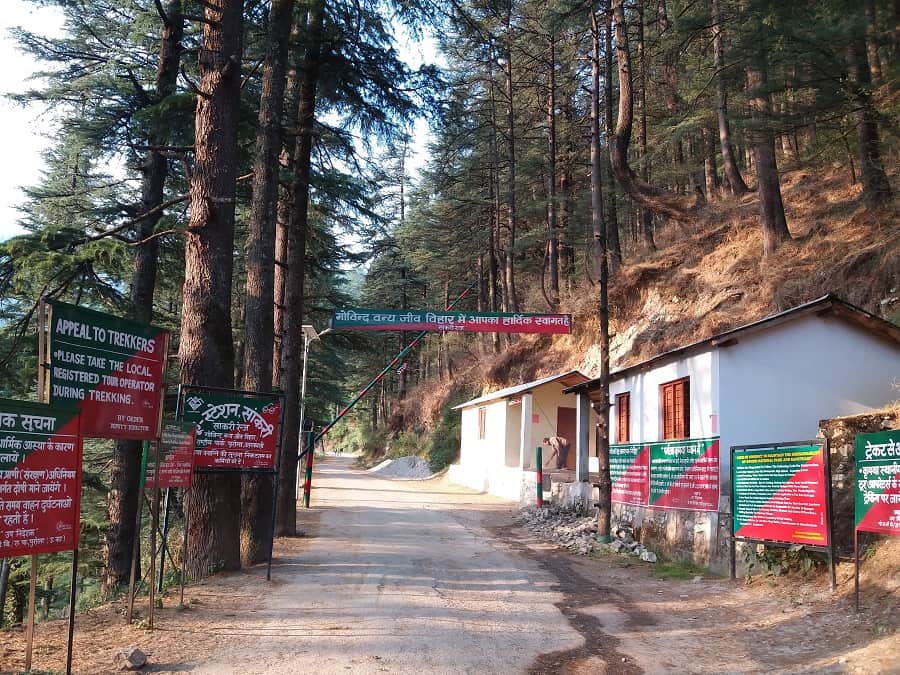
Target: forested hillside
{"points": [[234, 169]]}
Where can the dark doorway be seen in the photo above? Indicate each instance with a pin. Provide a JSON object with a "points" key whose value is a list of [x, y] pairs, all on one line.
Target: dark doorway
{"points": [[565, 427]]}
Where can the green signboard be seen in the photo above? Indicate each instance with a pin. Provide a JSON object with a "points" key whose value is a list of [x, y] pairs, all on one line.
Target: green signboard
{"points": [[110, 368], [235, 430], [470, 322], [684, 474], [629, 471], [780, 494], [878, 482], [40, 478]]}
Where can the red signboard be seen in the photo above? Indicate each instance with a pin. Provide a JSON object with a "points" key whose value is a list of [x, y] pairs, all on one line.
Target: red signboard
{"points": [[779, 494], [110, 368], [40, 478], [684, 474], [176, 453], [234, 430], [629, 468]]}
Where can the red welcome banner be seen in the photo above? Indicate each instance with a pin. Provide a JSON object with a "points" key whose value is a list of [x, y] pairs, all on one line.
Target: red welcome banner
{"points": [[447, 321]]}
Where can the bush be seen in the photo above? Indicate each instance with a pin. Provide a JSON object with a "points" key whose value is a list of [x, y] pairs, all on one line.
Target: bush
{"points": [[443, 443]]}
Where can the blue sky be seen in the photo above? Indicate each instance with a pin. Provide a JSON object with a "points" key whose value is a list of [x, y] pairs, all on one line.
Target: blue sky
{"points": [[25, 131]]}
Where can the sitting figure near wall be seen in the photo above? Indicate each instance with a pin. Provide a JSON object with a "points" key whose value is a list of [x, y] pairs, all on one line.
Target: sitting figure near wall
{"points": [[559, 451]]}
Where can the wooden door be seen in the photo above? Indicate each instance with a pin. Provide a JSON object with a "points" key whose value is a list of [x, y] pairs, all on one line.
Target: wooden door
{"points": [[566, 427]]}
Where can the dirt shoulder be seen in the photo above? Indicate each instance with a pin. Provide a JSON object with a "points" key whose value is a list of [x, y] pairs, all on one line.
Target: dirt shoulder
{"points": [[707, 624]]}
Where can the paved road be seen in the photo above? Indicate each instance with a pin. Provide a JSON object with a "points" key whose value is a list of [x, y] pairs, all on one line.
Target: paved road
{"points": [[401, 578]]}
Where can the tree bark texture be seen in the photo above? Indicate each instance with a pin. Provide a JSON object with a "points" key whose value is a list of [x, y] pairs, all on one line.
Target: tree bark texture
{"points": [[875, 185], [733, 178], [257, 490], [643, 193], [552, 218], [762, 138], [206, 350], [612, 219], [512, 214], [645, 216], [286, 508], [125, 467], [600, 255]]}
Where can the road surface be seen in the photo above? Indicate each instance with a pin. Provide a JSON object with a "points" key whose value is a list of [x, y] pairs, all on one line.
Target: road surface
{"points": [[400, 578]]}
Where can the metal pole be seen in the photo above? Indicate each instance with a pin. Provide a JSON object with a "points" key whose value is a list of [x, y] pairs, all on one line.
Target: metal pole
{"points": [[397, 359], [856, 572], [540, 476], [165, 535], [135, 548], [307, 483], [184, 548], [153, 527], [71, 635], [277, 477], [826, 458], [302, 407], [29, 630]]}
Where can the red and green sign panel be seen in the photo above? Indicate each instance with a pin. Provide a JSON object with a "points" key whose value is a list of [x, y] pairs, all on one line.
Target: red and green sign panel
{"points": [[40, 478], [629, 470], [110, 368], [176, 457], [234, 431], [878, 482], [780, 494], [684, 474], [470, 322]]}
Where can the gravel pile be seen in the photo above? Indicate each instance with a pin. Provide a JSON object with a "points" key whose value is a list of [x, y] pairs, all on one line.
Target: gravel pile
{"points": [[414, 468], [578, 533]]}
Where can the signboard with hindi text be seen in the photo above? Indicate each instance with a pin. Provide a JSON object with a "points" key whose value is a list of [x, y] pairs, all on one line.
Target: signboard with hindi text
{"points": [[780, 494], [235, 430], [112, 369], [40, 478], [878, 482], [629, 471], [684, 474], [470, 322], [176, 457]]}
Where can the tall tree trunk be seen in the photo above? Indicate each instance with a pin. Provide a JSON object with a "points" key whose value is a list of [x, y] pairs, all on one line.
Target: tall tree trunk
{"points": [[125, 466], [512, 214], [771, 209], [646, 216], [5, 564], [257, 490], [552, 225], [206, 351], [733, 178], [612, 218], [286, 509], [875, 185], [710, 177], [285, 198], [643, 193], [872, 43], [602, 273]]}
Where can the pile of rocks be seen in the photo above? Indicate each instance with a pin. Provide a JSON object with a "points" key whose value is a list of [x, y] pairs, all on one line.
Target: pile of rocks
{"points": [[578, 533]]}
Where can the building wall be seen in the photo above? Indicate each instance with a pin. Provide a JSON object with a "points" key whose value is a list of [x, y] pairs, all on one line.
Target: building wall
{"points": [[546, 400], [777, 384], [646, 413], [484, 452], [513, 432]]}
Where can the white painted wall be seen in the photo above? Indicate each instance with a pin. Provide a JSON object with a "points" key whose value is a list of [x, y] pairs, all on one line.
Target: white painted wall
{"points": [[646, 412], [775, 385], [481, 453]]}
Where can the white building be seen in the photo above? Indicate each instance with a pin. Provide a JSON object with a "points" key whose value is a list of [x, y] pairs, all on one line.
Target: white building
{"points": [[767, 381], [500, 432]]}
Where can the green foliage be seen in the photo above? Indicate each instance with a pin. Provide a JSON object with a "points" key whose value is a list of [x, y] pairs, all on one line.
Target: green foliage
{"points": [[777, 561], [677, 569], [442, 447]]}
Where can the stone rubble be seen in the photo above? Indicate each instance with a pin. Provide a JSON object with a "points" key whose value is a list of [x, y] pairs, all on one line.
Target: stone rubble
{"points": [[578, 533]]}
